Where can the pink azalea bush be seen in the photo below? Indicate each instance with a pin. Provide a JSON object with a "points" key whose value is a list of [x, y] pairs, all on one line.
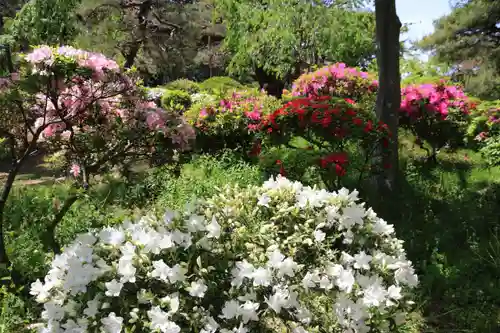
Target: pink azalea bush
{"points": [[436, 113], [231, 121], [336, 80], [83, 107], [87, 106]]}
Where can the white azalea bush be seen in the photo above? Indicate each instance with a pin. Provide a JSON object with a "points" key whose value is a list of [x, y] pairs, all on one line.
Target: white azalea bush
{"points": [[280, 257]]}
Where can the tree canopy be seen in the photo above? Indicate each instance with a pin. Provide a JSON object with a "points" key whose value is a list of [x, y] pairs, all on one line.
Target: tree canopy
{"points": [[284, 37], [469, 38]]}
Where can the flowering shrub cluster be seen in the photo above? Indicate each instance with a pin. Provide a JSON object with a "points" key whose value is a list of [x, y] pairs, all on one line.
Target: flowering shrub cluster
{"points": [[436, 113], [231, 121], [83, 104], [336, 80], [484, 131], [329, 125], [272, 258]]}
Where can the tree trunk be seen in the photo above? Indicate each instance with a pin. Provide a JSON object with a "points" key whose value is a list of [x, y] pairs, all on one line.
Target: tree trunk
{"points": [[388, 29]]}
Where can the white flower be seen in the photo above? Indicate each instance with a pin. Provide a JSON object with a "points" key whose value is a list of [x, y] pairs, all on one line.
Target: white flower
{"points": [[92, 308], [362, 260], [161, 270], [211, 325], [280, 299], [177, 274], [195, 223], [197, 289], [394, 292], [325, 283], [248, 311], [351, 216], [284, 266], [319, 235], [113, 288], [128, 250], [381, 227], [52, 311], [126, 269], [173, 301], [310, 280], [264, 200], [375, 293], [230, 310], [242, 270], [112, 323], [160, 321], [261, 277], [345, 280], [112, 236], [213, 229]]}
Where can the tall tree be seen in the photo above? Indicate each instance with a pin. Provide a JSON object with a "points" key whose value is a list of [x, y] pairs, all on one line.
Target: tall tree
{"points": [[158, 37], [277, 39], [469, 39], [388, 28], [43, 22]]}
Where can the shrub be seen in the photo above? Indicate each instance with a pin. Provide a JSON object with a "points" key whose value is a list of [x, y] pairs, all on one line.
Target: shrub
{"points": [[436, 113], [328, 126], [485, 131], [336, 80], [220, 84], [204, 177], [82, 106], [185, 85], [176, 100], [229, 123], [267, 258]]}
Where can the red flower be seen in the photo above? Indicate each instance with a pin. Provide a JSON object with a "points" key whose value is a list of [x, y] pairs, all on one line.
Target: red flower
{"points": [[350, 113], [339, 169], [326, 121], [369, 126], [350, 101], [316, 117], [282, 168], [256, 149], [357, 121], [339, 159]]}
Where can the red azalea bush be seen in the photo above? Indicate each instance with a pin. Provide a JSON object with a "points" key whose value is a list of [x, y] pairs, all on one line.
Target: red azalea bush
{"points": [[436, 113], [335, 129], [230, 122], [336, 80]]}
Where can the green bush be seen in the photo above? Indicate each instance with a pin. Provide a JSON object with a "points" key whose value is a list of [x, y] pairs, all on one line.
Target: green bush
{"points": [[186, 85], [220, 84], [175, 100], [203, 177]]}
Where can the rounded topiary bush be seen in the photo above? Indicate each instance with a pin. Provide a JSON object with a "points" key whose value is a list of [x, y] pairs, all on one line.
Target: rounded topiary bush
{"points": [[220, 84], [175, 100], [186, 85], [262, 259]]}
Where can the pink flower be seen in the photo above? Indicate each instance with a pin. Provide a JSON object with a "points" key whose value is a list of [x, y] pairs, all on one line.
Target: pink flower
{"points": [[75, 170]]}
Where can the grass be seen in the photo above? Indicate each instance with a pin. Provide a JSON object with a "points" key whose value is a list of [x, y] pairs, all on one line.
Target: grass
{"points": [[448, 215]]}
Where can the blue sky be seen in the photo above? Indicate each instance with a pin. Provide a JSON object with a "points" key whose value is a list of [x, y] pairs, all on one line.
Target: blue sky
{"points": [[422, 13]]}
